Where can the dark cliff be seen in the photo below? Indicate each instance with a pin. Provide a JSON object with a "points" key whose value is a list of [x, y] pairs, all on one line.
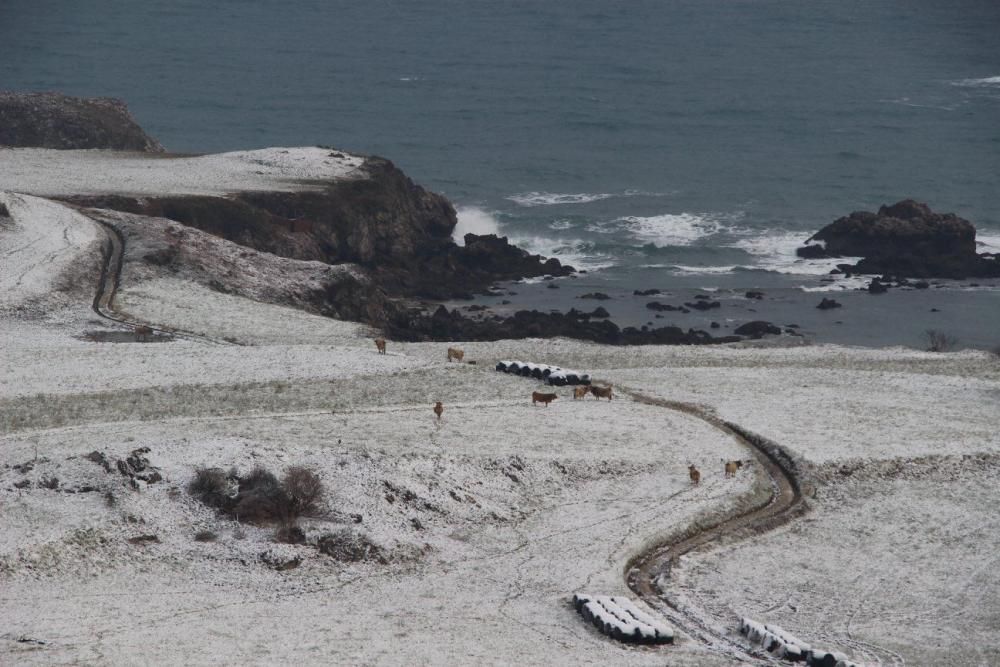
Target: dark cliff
{"points": [[52, 120]]}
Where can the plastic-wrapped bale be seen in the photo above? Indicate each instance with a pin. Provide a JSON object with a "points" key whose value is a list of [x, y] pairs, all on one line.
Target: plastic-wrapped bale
{"points": [[502, 366], [549, 370], [579, 600], [514, 367], [572, 377], [662, 633], [818, 658], [557, 378], [774, 640], [537, 371], [525, 370], [622, 620], [585, 378]]}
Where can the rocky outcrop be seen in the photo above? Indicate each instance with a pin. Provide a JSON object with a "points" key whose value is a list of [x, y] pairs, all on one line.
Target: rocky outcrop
{"points": [[396, 230], [757, 329], [52, 120], [906, 239], [414, 325]]}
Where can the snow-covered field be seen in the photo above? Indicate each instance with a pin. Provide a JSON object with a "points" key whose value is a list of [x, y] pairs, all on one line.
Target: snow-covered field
{"points": [[45, 246], [485, 522], [48, 172]]}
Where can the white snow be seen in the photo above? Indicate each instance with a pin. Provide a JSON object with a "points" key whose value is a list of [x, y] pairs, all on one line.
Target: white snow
{"points": [[49, 172], [40, 244], [516, 507]]}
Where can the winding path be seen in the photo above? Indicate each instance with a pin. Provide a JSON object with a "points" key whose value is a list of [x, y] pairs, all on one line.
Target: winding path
{"points": [[107, 286], [648, 574]]}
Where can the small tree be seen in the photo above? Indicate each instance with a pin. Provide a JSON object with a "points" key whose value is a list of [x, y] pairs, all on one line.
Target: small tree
{"points": [[939, 341]]}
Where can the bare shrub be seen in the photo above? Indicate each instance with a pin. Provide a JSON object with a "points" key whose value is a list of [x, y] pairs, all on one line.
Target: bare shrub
{"points": [[350, 547], [939, 341], [258, 478], [305, 489], [49, 483], [205, 536], [211, 486], [263, 504], [260, 498]]}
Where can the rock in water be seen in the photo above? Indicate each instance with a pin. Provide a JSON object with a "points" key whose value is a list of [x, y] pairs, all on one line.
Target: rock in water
{"points": [[756, 329], [52, 120], [827, 304], [906, 239]]}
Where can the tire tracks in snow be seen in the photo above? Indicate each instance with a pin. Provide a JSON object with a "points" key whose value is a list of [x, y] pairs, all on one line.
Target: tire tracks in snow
{"points": [[648, 574], [110, 279]]}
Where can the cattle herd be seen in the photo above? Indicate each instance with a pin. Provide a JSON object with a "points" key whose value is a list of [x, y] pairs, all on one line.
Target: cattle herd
{"points": [[558, 377]]}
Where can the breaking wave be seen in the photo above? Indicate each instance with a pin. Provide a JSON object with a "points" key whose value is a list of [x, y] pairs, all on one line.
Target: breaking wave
{"points": [[473, 220], [554, 198]]}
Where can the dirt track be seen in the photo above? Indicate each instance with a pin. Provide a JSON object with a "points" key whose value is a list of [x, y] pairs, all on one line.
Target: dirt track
{"points": [[648, 575], [111, 271]]}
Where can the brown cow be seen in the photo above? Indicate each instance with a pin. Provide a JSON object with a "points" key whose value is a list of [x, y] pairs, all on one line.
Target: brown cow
{"points": [[142, 332], [694, 474], [580, 392], [438, 409], [380, 344], [732, 467], [456, 353], [601, 392], [538, 397]]}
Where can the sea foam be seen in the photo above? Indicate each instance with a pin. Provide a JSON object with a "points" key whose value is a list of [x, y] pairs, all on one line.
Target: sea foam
{"points": [[669, 229], [473, 220]]}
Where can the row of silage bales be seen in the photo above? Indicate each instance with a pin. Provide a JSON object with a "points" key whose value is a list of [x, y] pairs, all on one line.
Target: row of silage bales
{"points": [[553, 375], [782, 644], [621, 619]]}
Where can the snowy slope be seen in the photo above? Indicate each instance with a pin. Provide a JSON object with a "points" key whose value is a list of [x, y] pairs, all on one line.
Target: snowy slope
{"points": [[47, 172], [44, 248]]}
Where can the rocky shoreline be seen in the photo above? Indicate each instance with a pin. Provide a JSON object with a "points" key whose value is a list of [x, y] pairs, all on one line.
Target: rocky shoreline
{"points": [[398, 237]]}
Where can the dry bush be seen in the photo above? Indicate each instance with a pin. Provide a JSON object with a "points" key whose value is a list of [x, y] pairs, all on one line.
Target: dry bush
{"points": [[305, 489], [263, 504], [205, 536], [260, 497], [350, 547], [211, 486], [939, 341]]}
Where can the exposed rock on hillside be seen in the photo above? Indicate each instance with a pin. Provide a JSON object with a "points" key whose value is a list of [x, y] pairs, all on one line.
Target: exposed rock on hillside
{"points": [[52, 120], [398, 231], [443, 324], [905, 239]]}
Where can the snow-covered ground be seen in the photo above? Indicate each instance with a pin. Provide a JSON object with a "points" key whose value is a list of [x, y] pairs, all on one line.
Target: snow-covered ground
{"points": [[44, 247], [47, 172], [489, 519]]}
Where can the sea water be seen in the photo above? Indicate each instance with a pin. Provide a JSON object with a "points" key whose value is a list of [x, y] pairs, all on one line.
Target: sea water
{"points": [[682, 144]]}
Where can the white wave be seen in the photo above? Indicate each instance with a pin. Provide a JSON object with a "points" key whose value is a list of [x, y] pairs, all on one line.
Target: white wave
{"points": [[987, 242], [776, 252], [669, 229], [840, 284], [987, 81], [560, 225], [568, 251], [680, 269], [556, 198], [552, 198], [473, 220]]}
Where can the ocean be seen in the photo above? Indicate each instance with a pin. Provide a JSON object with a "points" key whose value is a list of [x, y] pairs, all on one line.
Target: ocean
{"points": [[687, 145]]}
